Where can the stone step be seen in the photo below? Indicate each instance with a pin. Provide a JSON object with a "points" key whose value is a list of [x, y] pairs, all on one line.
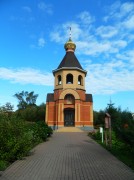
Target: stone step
{"points": [[69, 129]]}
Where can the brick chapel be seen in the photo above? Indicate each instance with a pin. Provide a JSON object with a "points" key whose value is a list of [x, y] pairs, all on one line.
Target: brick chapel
{"points": [[69, 105]]}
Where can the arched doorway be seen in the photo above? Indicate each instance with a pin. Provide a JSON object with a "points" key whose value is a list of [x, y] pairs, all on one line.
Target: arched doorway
{"points": [[69, 117]]}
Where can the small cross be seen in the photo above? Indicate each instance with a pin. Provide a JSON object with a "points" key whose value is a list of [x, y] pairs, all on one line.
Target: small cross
{"points": [[70, 33]]}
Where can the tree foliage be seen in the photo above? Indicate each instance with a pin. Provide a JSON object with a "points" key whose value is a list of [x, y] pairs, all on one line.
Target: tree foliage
{"points": [[121, 121], [32, 113], [99, 118], [27, 108], [8, 107], [26, 99]]}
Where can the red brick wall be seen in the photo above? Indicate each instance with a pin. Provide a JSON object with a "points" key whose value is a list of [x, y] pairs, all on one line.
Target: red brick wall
{"points": [[85, 113], [81, 94], [57, 94], [51, 113], [84, 110]]}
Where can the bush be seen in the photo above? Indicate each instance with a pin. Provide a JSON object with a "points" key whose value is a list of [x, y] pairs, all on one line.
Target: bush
{"points": [[32, 113], [3, 165], [18, 137], [97, 135], [28, 114], [15, 141], [41, 131]]}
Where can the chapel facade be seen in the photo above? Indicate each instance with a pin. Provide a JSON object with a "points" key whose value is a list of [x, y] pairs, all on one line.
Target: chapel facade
{"points": [[69, 105]]}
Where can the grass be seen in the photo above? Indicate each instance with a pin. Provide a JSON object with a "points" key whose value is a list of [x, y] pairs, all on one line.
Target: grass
{"points": [[119, 149], [124, 156]]}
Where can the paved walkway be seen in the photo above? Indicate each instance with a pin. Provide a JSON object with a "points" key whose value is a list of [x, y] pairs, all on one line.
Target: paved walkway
{"points": [[69, 156]]}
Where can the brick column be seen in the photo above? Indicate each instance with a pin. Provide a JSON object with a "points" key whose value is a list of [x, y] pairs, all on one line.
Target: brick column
{"points": [[91, 113], [46, 118]]}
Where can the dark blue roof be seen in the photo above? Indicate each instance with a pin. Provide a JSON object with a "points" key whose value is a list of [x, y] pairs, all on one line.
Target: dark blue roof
{"points": [[70, 61]]}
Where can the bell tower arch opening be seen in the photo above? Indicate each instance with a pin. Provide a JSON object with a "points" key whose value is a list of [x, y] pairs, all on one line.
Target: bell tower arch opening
{"points": [[59, 79], [80, 80], [69, 79]]}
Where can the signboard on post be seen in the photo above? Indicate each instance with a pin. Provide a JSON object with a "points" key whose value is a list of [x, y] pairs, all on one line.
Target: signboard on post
{"points": [[101, 131], [107, 121], [108, 136]]}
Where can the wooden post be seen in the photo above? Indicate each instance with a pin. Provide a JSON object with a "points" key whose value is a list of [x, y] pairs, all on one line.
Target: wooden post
{"points": [[108, 131]]}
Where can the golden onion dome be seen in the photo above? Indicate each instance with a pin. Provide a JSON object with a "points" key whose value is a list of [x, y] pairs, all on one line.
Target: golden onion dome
{"points": [[70, 45]]}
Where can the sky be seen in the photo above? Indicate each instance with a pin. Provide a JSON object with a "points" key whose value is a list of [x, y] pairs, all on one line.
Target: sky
{"points": [[32, 38]]}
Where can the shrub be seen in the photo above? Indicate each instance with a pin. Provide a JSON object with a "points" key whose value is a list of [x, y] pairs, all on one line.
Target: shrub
{"points": [[18, 137], [15, 141], [97, 135], [3, 165], [41, 131]]}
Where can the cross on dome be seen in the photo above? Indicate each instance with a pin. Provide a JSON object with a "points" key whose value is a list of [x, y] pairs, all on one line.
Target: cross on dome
{"points": [[70, 45]]}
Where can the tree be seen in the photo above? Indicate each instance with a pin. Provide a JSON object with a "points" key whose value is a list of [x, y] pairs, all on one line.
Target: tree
{"points": [[41, 112], [99, 118], [127, 117], [7, 109], [122, 124], [26, 99], [33, 113], [115, 114], [29, 114]]}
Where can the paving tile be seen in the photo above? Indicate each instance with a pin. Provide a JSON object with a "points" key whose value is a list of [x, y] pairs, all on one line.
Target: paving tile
{"points": [[69, 156]]}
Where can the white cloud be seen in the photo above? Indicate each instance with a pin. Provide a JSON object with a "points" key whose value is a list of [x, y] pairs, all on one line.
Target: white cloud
{"points": [[126, 7], [107, 31], [110, 46], [87, 43], [119, 11], [103, 78], [38, 42], [104, 39], [129, 23], [62, 32], [94, 47], [120, 43], [25, 17], [45, 7], [98, 47], [41, 42], [26, 76], [86, 18], [109, 78], [130, 57], [55, 36], [27, 9]]}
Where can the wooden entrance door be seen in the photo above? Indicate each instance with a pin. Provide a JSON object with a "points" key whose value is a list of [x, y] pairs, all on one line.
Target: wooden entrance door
{"points": [[69, 117]]}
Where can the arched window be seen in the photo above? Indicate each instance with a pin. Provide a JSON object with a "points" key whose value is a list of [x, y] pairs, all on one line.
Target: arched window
{"points": [[59, 79], [69, 79], [69, 99], [80, 80]]}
